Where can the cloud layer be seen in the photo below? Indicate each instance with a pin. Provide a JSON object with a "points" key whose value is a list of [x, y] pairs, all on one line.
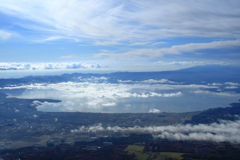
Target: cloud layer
{"points": [[98, 94], [224, 131], [42, 66]]}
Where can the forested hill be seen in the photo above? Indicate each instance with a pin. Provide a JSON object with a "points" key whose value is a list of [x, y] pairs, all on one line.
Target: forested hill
{"points": [[214, 114]]}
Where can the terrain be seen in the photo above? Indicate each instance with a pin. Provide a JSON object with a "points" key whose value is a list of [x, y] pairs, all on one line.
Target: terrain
{"points": [[20, 118], [47, 135], [27, 133]]}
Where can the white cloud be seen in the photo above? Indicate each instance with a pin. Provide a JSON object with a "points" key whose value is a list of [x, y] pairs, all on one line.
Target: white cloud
{"points": [[4, 35], [126, 81], [94, 79], [138, 43], [159, 81], [231, 83], [217, 93], [109, 104], [107, 43], [54, 38], [140, 54], [127, 20], [231, 87], [90, 95], [159, 43], [215, 84], [70, 56], [190, 63], [178, 94], [225, 131], [154, 110], [149, 81], [40, 66]]}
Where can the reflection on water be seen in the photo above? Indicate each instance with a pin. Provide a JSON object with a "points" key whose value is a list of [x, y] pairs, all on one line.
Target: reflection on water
{"points": [[186, 103]]}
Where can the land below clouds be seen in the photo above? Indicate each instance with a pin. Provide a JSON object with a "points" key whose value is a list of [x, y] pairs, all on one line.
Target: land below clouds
{"points": [[20, 118], [30, 134]]}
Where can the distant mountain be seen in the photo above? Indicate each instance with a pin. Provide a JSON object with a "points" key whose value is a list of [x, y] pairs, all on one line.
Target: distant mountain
{"points": [[208, 73], [193, 75]]}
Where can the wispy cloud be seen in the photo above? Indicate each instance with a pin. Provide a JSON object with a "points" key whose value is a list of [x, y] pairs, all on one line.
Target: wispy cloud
{"points": [[70, 56], [140, 54], [4, 35], [158, 43], [107, 43], [190, 63], [217, 93], [55, 38], [97, 20], [139, 43]]}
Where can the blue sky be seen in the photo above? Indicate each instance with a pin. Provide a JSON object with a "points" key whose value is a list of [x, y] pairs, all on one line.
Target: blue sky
{"points": [[131, 35]]}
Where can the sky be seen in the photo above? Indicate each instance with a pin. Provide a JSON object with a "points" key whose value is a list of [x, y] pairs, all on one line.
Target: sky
{"points": [[118, 35]]}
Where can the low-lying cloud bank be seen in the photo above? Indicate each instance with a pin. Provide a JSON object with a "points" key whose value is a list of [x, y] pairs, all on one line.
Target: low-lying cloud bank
{"points": [[217, 93], [97, 94], [42, 66], [225, 131]]}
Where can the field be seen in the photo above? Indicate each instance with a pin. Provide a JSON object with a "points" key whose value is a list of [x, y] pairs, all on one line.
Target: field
{"points": [[174, 155], [137, 150]]}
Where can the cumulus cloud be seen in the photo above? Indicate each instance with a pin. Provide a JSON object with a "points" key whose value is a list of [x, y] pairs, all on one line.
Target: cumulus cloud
{"points": [[128, 20], [109, 104], [42, 66], [154, 110], [126, 81], [224, 131], [36, 103]]}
